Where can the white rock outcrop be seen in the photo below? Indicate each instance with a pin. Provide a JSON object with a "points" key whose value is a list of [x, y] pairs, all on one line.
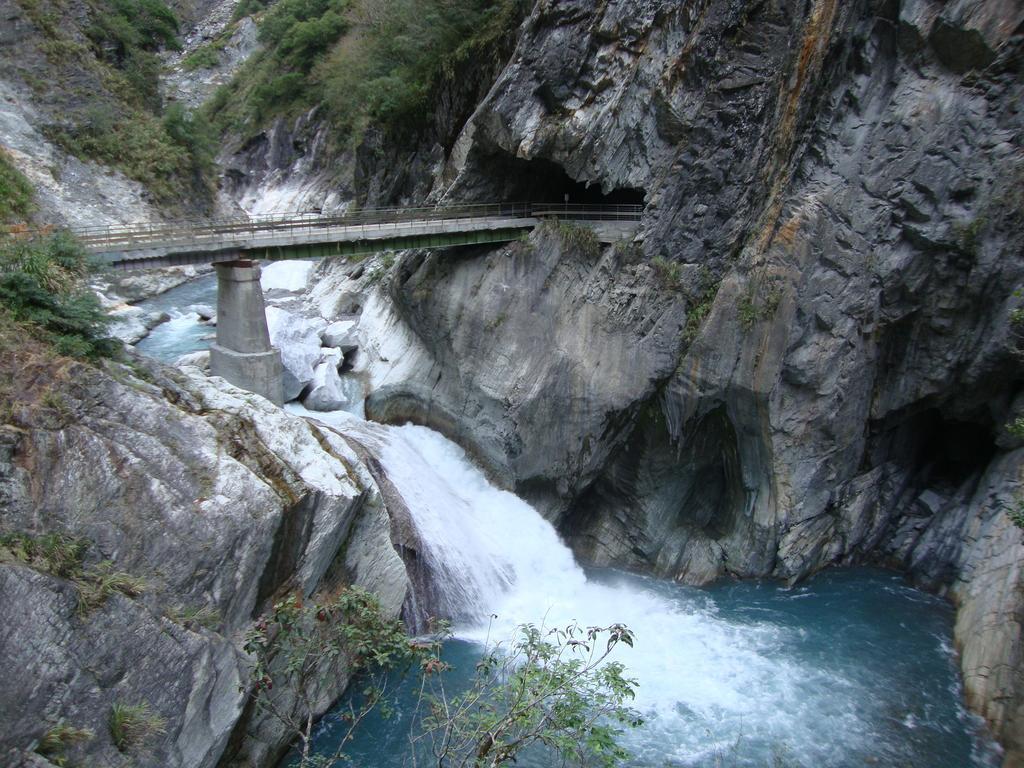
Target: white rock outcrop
{"points": [[329, 390], [298, 338]]}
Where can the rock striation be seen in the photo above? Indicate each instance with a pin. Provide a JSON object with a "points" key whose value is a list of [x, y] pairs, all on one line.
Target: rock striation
{"points": [[218, 501]]}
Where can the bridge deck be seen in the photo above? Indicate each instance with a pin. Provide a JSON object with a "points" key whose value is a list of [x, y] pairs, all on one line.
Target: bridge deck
{"points": [[272, 237]]}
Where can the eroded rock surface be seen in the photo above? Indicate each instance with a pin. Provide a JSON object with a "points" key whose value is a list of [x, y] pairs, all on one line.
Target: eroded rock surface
{"points": [[218, 501]]}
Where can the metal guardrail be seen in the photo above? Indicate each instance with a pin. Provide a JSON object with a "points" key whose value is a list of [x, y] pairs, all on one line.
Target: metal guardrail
{"points": [[205, 231]]}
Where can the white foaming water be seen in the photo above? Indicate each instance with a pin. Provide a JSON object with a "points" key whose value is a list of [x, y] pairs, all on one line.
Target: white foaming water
{"points": [[705, 683], [178, 336]]}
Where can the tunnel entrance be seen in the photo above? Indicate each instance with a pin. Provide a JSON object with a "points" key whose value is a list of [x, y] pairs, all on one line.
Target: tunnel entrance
{"points": [[543, 181]]}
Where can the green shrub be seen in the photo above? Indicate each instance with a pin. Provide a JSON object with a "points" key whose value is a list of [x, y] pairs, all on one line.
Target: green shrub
{"points": [[192, 132], [388, 72], [270, 95], [1016, 513], [701, 306], [126, 34], [133, 24], [16, 195], [385, 263], [746, 310], [120, 124], [248, 8], [41, 284], [573, 236], [204, 57], [299, 31], [132, 725], [371, 61], [759, 302], [968, 235], [549, 689], [668, 272], [164, 155]]}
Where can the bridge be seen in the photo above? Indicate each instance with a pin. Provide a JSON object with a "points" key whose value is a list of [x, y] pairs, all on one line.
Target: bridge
{"points": [[305, 236], [242, 352]]}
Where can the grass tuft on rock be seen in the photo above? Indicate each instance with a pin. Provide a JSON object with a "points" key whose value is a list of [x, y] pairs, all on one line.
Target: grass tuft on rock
{"points": [[573, 236], [133, 725], [191, 617], [57, 740], [669, 272], [99, 582], [63, 556]]}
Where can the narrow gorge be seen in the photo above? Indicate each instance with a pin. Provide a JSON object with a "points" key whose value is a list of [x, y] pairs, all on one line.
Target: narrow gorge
{"points": [[776, 429]]}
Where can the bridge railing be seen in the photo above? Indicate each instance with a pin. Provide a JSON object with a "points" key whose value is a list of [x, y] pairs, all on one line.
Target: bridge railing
{"points": [[240, 230]]}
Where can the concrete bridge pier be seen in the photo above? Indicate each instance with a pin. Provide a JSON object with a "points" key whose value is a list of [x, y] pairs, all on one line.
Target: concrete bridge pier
{"points": [[242, 353]]}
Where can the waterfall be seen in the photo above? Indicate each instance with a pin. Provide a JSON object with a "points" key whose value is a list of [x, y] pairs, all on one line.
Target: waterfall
{"points": [[707, 681]]}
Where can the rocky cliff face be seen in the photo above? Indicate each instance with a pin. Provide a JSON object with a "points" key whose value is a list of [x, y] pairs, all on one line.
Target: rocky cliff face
{"points": [[218, 502], [808, 357]]}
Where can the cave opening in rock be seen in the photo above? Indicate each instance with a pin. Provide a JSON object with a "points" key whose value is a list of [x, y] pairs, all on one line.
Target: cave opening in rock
{"points": [[945, 452], [543, 181], [660, 497]]}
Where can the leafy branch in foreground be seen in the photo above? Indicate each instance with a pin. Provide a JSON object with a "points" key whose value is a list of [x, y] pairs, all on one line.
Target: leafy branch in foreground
{"points": [[295, 646], [554, 690]]}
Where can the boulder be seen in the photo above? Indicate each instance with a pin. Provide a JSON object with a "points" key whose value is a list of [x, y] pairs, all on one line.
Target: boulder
{"points": [[199, 359], [205, 311], [131, 324], [298, 338], [288, 276], [330, 391], [341, 334]]}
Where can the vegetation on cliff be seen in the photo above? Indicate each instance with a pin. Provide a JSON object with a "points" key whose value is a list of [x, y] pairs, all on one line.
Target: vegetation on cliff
{"points": [[16, 203], [98, 83], [42, 292], [63, 556], [363, 61]]}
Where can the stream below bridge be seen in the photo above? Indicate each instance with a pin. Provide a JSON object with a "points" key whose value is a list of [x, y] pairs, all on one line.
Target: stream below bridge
{"points": [[852, 668]]}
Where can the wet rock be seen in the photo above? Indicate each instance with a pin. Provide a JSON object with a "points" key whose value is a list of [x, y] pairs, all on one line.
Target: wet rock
{"points": [[145, 284], [329, 391], [206, 312], [131, 324]]}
